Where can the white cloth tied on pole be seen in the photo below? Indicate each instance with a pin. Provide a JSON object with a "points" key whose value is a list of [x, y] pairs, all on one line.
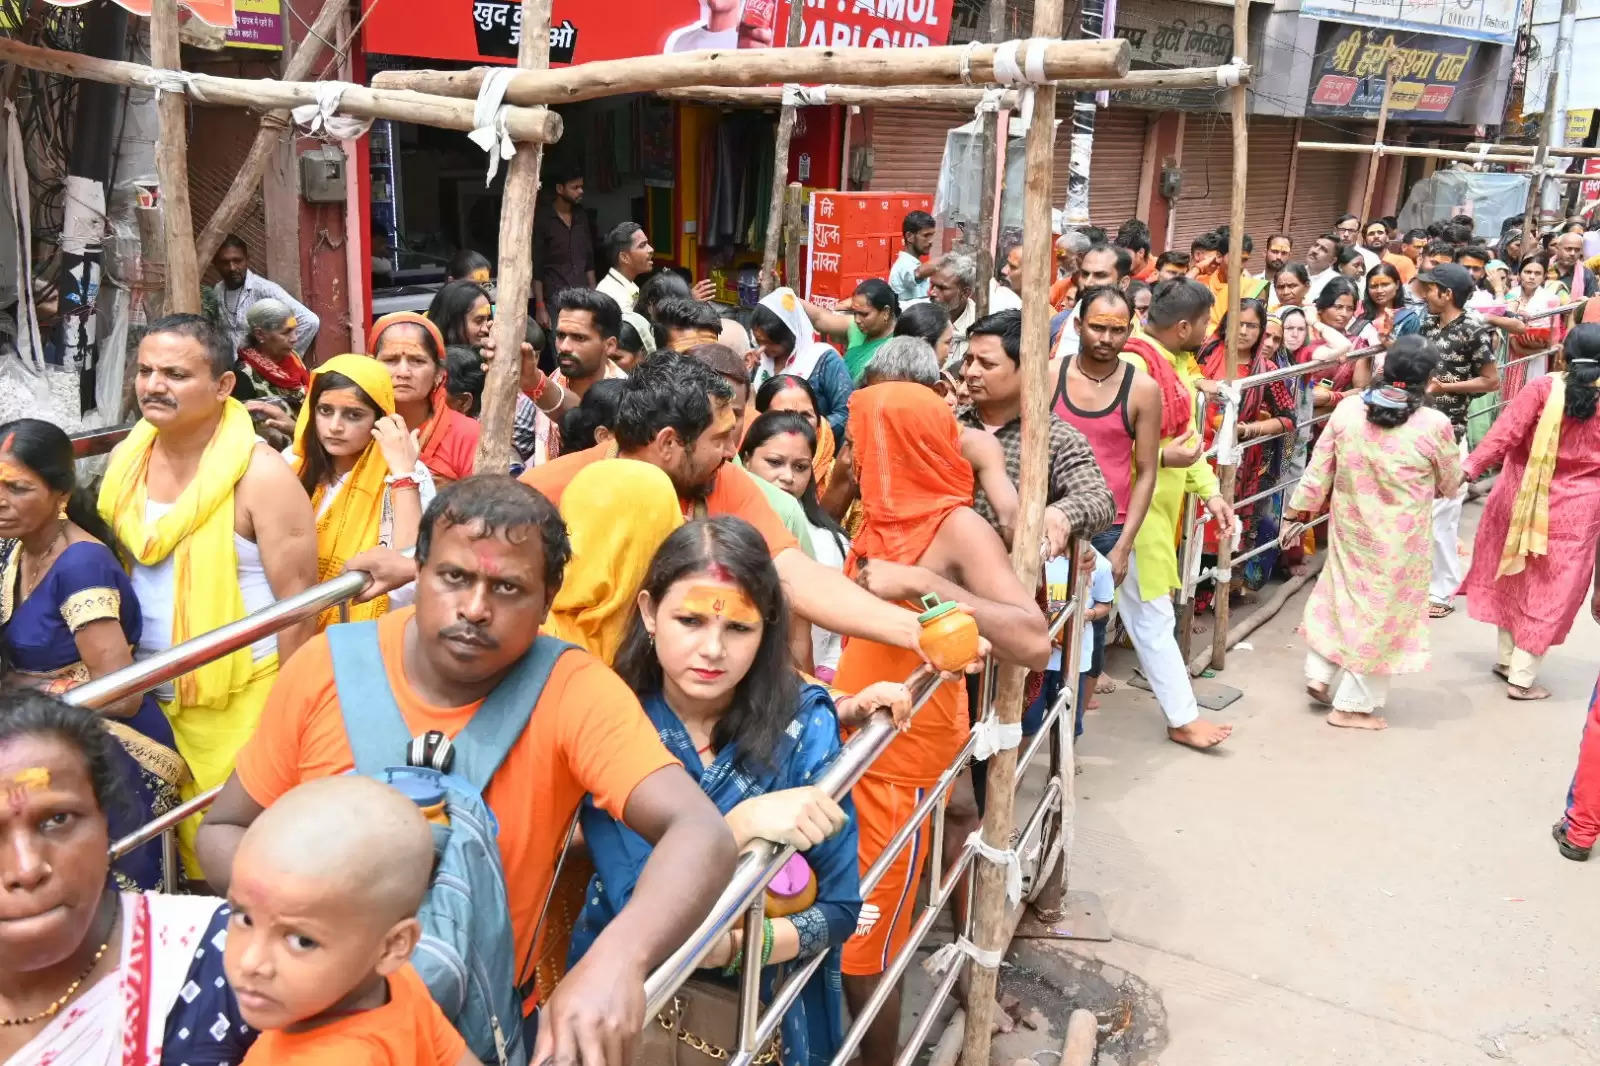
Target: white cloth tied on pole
{"points": [[1006, 857], [170, 81], [940, 961], [805, 95], [994, 736], [489, 120], [990, 103], [1231, 74], [1229, 450], [322, 119], [1025, 75]]}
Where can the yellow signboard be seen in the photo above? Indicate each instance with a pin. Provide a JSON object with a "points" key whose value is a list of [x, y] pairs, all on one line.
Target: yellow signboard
{"points": [[258, 24], [1579, 125]]}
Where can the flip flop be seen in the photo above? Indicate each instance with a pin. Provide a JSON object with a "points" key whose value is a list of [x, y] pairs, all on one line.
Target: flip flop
{"points": [[1528, 695]]}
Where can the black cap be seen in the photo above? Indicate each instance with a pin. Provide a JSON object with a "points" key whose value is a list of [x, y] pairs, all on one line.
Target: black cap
{"points": [[1451, 276]]}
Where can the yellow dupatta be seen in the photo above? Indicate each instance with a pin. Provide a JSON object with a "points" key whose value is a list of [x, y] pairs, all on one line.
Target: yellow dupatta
{"points": [[1529, 532], [353, 523], [197, 532], [618, 513]]}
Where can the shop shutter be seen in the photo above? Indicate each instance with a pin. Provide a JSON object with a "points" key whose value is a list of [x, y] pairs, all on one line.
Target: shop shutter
{"points": [[1267, 182], [1322, 184], [908, 146], [1114, 167], [1207, 167]]}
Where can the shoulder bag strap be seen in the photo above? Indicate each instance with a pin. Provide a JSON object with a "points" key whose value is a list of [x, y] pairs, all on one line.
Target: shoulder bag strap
{"points": [[486, 740], [373, 725]]}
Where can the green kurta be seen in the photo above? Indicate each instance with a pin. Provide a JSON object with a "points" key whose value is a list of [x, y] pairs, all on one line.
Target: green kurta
{"points": [[1156, 543]]}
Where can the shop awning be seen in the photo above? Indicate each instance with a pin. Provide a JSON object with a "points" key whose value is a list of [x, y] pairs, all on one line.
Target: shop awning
{"points": [[217, 13]]}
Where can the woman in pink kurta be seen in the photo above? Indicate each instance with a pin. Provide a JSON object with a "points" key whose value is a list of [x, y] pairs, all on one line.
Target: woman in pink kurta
{"points": [[1379, 465], [1534, 608]]}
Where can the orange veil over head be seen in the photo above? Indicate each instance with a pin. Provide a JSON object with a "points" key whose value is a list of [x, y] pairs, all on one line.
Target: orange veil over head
{"points": [[910, 468], [443, 420]]}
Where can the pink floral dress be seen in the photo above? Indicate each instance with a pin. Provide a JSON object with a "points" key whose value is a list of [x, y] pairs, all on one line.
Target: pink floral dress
{"points": [[1368, 612]]}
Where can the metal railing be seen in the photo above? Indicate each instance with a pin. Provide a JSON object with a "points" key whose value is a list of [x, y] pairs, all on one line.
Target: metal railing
{"points": [[98, 441], [1226, 443], [174, 662], [741, 902]]}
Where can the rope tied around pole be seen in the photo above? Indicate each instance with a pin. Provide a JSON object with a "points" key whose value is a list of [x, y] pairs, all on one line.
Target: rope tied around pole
{"points": [[489, 120], [990, 103], [1006, 857], [1025, 76], [171, 81], [993, 736], [940, 961], [805, 95], [322, 119], [966, 62]]}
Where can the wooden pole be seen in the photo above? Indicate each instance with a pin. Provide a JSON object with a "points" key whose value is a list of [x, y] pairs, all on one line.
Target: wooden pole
{"points": [[850, 111], [258, 94], [1547, 138], [273, 127], [941, 65], [793, 211], [172, 166], [991, 928], [1532, 149], [993, 161], [780, 166], [1377, 140], [924, 95], [1408, 150], [1241, 168], [515, 277]]}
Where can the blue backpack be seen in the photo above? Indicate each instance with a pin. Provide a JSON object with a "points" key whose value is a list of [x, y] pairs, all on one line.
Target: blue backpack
{"points": [[467, 954]]}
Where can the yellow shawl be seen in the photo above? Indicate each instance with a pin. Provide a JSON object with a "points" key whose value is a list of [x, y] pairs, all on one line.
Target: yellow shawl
{"points": [[198, 533], [618, 512], [354, 522], [1529, 533]]}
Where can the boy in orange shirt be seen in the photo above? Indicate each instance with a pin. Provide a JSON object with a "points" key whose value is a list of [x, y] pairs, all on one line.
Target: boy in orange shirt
{"points": [[325, 890]]}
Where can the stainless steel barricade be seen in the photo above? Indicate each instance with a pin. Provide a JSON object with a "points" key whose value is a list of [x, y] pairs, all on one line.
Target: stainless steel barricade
{"points": [[98, 441], [1227, 445]]}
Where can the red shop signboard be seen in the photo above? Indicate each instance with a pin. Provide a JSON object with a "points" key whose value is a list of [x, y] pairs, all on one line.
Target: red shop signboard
{"points": [[488, 31]]}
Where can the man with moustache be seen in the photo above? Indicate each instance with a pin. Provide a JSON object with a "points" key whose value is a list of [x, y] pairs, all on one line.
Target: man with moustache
{"points": [[218, 527]]}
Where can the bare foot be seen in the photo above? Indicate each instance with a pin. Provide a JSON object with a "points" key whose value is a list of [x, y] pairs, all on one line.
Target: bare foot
{"points": [[1105, 685], [1200, 734], [1319, 693], [1093, 704], [1532, 692], [1351, 720], [1299, 570]]}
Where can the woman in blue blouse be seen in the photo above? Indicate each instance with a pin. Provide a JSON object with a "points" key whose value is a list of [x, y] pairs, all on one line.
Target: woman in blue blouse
{"points": [[68, 614], [707, 654]]}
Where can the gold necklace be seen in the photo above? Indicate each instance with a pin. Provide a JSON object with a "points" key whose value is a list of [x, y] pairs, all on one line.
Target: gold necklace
{"points": [[52, 1009]]}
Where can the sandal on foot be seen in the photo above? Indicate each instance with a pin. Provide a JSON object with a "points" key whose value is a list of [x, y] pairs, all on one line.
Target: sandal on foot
{"points": [[1568, 848], [1528, 694], [1441, 610]]}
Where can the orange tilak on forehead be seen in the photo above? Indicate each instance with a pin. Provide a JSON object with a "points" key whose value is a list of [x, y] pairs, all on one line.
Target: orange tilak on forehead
{"points": [[722, 602], [1112, 321], [30, 779]]}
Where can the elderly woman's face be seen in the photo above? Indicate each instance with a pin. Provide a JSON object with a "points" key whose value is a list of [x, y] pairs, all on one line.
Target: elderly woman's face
{"points": [[53, 863], [276, 343]]}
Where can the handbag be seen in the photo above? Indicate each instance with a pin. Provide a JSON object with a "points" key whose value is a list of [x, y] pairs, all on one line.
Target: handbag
{"points": [[699, 1026]]}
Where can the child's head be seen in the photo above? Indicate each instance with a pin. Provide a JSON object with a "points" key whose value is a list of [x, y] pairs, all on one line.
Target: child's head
{"points": [[325, 890]]}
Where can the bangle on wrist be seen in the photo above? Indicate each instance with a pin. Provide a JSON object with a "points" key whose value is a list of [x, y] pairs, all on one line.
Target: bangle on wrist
{"points": [[560, 399], [402, 481]]}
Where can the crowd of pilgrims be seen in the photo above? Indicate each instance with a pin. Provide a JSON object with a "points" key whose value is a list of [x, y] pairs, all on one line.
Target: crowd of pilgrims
{"points": [[706, 571]]}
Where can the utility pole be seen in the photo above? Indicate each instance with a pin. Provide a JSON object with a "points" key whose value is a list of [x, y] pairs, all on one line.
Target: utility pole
{"points": [[1091, 26], [1554, 132]]}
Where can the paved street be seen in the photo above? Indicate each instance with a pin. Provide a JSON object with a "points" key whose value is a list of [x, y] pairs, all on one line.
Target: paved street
{"points": [[1319, 896]]}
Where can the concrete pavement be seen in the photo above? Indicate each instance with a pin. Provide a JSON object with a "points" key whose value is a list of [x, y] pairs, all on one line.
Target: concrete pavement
{"points": [[1311, 895]]}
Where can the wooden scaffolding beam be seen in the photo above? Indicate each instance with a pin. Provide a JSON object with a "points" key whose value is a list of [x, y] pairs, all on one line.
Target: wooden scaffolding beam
{"points": [[258, 94], [172, 167], [943, 65]]}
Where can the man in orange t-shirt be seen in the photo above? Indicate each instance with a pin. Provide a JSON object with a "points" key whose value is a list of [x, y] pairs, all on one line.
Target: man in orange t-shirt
{"points": [[684, 417], [490, 559]]}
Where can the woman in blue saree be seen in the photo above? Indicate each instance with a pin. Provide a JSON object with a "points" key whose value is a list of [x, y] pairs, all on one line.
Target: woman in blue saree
{"points": [[68, 614], [707, 653]]}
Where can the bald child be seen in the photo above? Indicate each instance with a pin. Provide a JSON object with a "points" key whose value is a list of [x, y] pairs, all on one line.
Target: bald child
{"points": [[325, 890]]}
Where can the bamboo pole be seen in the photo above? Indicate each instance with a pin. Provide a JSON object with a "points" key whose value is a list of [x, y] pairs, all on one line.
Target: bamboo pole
{"points": [[1409, 150], [1377, 138], [1241, 168], [942, 65], [273, 127], [1547, 139], [1532, 149], [927, 95], [780, 166], [172, 166], [993, 160], [793, 211], [991, 929], [257, 94], [515, 276]]}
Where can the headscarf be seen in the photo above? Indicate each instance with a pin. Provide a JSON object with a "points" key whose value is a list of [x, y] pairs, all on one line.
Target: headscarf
{"points": [[443, 420], [618, 513], [641, 326], [807, 349], [912, 473], [197, 533], [354, 522], [822, 458]]}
